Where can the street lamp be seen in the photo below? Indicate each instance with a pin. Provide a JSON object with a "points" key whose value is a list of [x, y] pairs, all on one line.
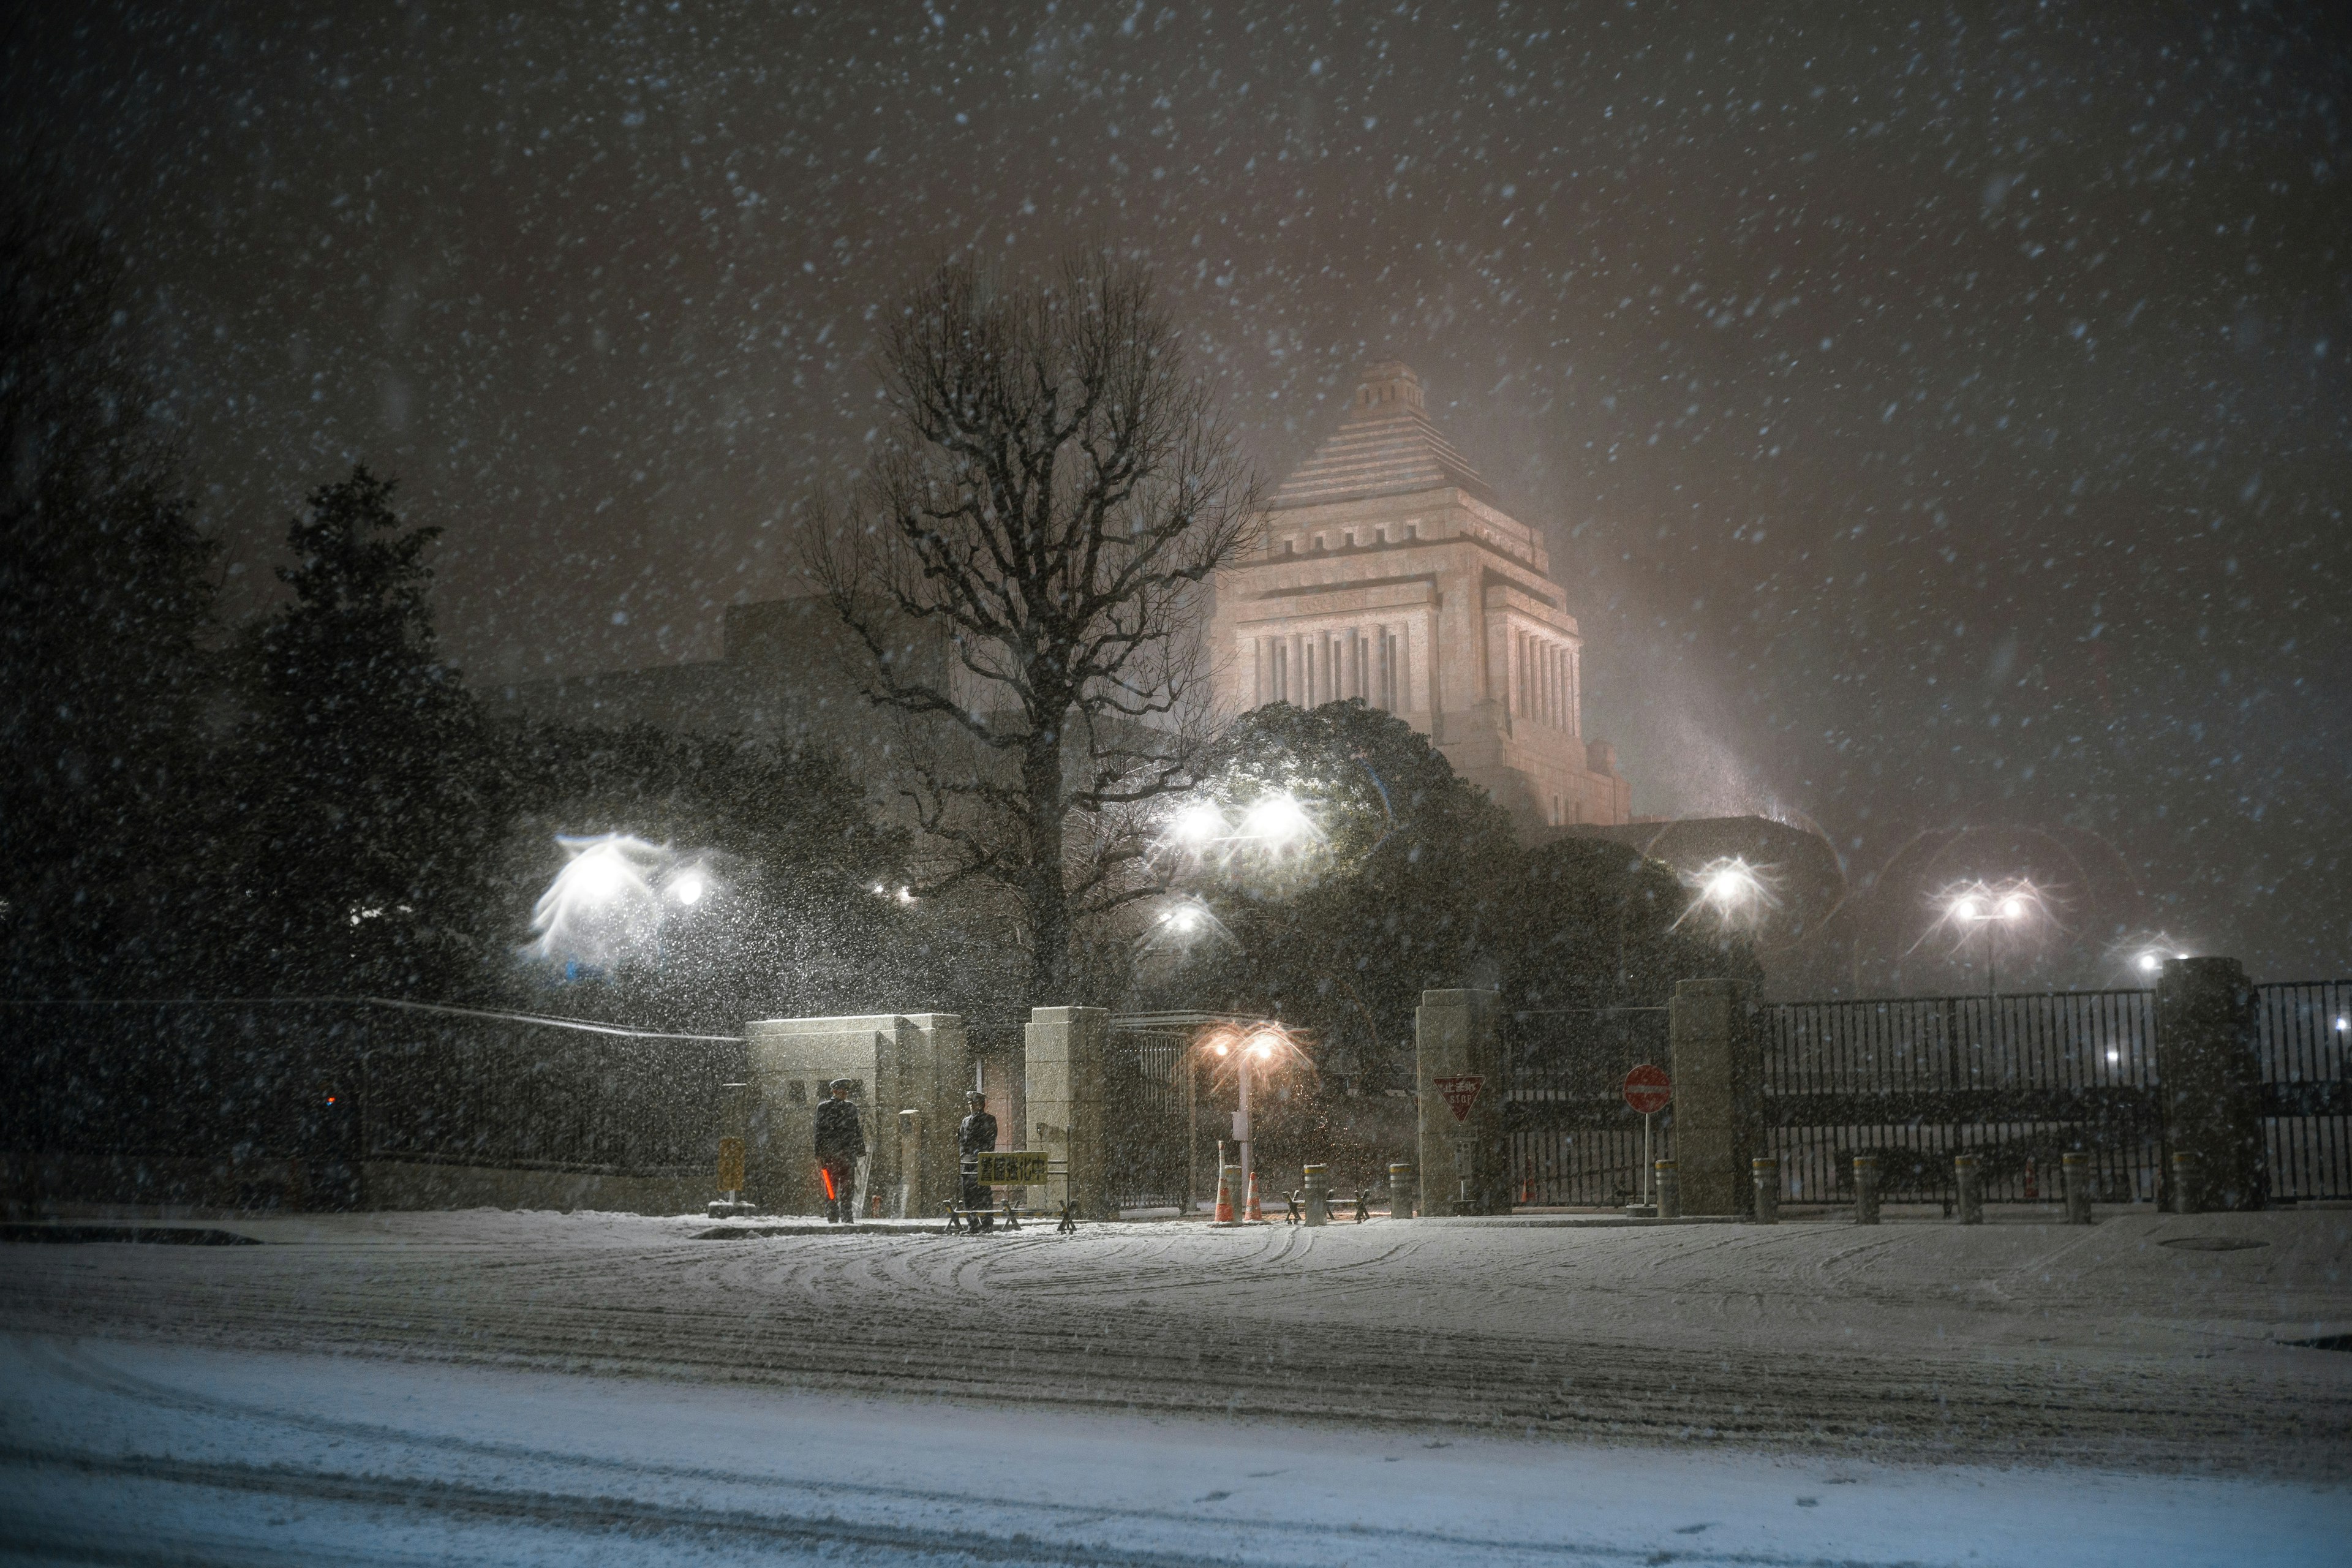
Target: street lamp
{"points": [[1990, 911], [1252, 1051], [1198, 826], [1278, 821], [1735, 892]]}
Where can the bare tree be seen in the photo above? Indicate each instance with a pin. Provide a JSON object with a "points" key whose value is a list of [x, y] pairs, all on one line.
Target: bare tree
{"points": [[1054, 498]]}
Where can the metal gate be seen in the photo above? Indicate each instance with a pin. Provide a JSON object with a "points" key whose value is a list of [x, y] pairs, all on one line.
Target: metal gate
{"points": [[2015, 1080], [1147, 1109], [1573, 1140], [2302, 1038]]}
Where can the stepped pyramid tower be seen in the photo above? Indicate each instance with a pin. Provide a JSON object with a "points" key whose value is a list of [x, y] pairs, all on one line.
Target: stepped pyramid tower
{"points": [[1387, 571]]}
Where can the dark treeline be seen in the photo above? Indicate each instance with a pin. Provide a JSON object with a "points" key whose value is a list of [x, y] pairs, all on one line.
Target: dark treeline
{"points": [[312, 803]]}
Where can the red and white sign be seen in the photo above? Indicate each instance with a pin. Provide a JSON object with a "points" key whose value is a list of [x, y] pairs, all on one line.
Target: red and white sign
{"points": [[1646, 1090], [1461, 1093]]}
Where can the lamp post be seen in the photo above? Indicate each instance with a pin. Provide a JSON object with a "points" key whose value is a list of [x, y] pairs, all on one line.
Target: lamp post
{"points": [[1255, 1048], [1258, 1048], [1990, 912]]}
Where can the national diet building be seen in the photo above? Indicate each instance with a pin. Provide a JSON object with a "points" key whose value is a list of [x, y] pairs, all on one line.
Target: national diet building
{"points": [[1387, 571]]}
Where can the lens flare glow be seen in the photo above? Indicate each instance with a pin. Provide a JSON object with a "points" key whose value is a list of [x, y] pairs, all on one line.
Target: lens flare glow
{"points": [[1731, 893], [1197, 825], [1277, 822], [608, 904]]}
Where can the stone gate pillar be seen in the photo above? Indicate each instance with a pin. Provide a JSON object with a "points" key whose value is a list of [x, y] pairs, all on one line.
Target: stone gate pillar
{"points": [[1063, 1086], [1718, 1127], [2209, 1080], [1466, 1164]]}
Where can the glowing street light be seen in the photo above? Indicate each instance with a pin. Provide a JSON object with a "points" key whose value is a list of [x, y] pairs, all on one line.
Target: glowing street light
{"points": [[1991, 910], [1252, 1050], [1731, 890], [1198, 826], [688, 886], [1278, 821]]}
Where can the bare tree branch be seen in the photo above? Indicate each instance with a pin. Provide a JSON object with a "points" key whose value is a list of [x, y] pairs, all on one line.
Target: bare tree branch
{"points": [[1027, 568]]}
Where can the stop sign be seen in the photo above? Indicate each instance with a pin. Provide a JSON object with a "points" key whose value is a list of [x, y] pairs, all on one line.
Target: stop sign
{"points": [[1645, 1089]]}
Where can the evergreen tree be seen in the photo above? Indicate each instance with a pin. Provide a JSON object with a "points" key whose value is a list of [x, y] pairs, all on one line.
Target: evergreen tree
{"points": [[1410, 879], [1402, 885], [368, 816], [104, 595]]}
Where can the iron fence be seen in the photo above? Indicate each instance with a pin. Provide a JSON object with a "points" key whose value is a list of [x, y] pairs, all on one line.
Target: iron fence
{"points": [[1148, 1114], [265, 1102], [2016, 1081], [1573, 1141], [2303, 1040]]}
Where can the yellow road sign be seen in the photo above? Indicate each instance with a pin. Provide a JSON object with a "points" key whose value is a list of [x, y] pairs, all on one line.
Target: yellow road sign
{"points": [[1012, 1168]]}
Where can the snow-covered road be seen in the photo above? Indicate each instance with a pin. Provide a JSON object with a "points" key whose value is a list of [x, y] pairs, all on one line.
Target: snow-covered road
{"points": [[123, 1453], [2012, 1343]]}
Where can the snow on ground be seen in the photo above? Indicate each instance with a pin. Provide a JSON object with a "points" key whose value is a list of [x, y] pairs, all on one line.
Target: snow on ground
{"points": [[1598, 1389], [120, 1452]]}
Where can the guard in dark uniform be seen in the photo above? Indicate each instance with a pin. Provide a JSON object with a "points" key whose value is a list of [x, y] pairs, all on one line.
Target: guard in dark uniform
{"points": [[975, 1136], [840, 1141]]}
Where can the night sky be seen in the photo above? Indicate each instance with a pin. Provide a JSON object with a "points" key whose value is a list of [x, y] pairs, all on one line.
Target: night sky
{"points": [[1938, 416]]}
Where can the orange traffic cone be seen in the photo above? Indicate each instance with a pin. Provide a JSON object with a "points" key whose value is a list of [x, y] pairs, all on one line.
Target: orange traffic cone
{"points": [[1253, 1212], [1225, 1175]]}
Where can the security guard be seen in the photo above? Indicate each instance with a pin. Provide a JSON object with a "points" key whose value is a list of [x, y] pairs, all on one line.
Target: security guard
{"points": [[840, 1142], [975, 1136]]}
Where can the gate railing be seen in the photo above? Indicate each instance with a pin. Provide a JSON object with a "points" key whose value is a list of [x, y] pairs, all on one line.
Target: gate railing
{"points": [[2304, 1043], [1573, 1140], [2016, 1081], [1148, 1110]]}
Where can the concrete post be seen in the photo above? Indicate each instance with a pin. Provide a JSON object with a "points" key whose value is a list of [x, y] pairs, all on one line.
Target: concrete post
{"points": [[2188, 1190], [1767, 1201], [1400, 1191], [1718, 1111], [913, 1164], [1318, 1194], [2077, 1170], [1970, 1182], [1865, 1189], [1670, 1192], [2209, 1080], [1063, 1087], [1465, 1164]]}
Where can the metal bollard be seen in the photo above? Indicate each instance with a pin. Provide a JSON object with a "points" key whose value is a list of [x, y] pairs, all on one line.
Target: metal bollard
{"points": [[1400, 1192], [1969, 1181], [1766, 1174], [1865, 1189], [2188, 1190], [2077, 1169], [1670, 1197], [1318, 1194]]}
